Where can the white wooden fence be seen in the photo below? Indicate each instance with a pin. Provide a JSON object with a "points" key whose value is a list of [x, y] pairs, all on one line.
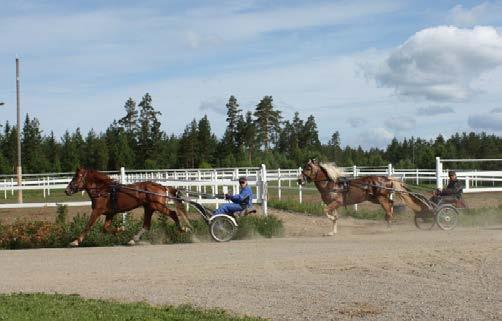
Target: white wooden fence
{"points": [[223, 180]]}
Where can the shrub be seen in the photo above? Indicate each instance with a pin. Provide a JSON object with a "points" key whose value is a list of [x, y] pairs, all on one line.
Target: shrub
{"points": [[36, 234], [24, 234], [266, 226], [62, 214]]}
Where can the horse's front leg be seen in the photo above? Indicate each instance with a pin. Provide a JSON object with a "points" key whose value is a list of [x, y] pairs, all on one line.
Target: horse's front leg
{"points": [[388, 206], [332, 213], [92, 220], [147, 221]]}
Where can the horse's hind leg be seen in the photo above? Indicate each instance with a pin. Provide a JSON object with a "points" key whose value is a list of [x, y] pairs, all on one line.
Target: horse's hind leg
{"points": [[332, 213], [180, 210], [176, 220], [172, 214], [107, 227]]}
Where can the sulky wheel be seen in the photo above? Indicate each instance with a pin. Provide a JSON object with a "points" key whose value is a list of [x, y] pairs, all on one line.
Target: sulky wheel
{"points": [[222, 229], [446, 217], [425, 220]]}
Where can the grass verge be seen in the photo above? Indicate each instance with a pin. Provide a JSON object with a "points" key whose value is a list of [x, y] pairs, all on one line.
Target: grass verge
{"points": [[24, 234], [57, 307]]}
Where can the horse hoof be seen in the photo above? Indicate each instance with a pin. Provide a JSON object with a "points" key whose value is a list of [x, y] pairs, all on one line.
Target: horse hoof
{"points": [[330, 234], [185, 230], [74, 244], [131, 242]]}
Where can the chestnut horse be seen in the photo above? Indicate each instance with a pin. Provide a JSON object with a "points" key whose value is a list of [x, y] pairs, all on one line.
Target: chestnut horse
{"points": [[109, 198], [338, 191]]}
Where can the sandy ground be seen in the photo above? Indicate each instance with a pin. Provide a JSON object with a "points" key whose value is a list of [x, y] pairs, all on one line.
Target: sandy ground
{"points": [[366, 272]]}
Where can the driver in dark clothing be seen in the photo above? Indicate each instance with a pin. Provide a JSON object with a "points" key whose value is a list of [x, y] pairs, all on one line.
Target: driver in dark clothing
{"points": [[453, 189]]}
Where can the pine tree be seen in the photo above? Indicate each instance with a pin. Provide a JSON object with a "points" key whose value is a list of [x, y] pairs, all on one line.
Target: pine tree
{"points": [[248, 136], [189, 146], [130, 121], [52, 152], [69, 153], [206, 142], [335, 148], [96, 152], [267, 122], [233, 112], [119, 150], [150, 135], [309, 137], [34, 160]]}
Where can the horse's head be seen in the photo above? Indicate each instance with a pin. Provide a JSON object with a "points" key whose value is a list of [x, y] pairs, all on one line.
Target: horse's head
{"points": [[78, 181], [309, 172]]}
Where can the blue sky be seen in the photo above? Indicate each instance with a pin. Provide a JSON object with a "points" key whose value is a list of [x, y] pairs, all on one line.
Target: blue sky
{"points": [[369, 69]]}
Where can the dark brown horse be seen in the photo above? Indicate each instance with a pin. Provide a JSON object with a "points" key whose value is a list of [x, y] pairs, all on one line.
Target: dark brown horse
{"points": [[337, 191], [109, 198]]}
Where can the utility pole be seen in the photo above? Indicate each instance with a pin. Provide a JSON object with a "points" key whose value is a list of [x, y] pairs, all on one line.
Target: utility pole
{"points": [[19, 168]]}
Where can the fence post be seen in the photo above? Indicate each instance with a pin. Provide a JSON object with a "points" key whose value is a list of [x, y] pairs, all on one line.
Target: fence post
{"points": [[279, 183], [389, 169], [123, 181], [354, 174], [439, 173], [300, 194], [264, 189], [417, 181], [5, 190]]}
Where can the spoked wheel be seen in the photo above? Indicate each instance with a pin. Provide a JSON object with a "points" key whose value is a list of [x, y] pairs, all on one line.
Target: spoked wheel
{"points": [[222, 229], [446, 217], [425, 220]]}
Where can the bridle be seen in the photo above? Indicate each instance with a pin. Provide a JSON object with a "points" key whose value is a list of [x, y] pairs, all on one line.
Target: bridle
{"points": [[315, 179], [82, 181]]}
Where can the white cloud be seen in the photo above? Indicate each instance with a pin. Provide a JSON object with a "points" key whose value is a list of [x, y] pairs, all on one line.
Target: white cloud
{"points": [[486, 12], [440, 63], [487, 121], [434, 110], [217, 105], [375, 137], [400, 123]]}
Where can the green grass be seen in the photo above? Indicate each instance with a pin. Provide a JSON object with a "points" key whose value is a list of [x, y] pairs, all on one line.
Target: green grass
{"points": [[57, 307], [37, 196]]}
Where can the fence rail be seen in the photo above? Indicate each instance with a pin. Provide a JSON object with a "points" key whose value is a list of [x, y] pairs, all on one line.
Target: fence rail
{"points": [[225, 180]]}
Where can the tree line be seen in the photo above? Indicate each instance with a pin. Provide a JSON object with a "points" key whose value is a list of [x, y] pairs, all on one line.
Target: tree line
{"points": [[251, 138]]}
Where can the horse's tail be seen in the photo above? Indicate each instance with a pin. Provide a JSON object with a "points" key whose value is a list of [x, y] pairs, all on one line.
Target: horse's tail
{"points": [[178, 196], [403, 192]]}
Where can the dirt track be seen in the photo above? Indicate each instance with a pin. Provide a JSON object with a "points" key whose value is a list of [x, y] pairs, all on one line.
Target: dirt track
{"points": [[365, 272]]}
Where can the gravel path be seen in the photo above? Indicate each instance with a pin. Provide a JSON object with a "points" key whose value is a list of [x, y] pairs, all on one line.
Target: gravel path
{"points": [[366, 272]]}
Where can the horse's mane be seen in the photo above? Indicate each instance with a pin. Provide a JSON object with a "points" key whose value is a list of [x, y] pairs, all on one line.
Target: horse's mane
{"points": [[332, 171], [102, 177]]}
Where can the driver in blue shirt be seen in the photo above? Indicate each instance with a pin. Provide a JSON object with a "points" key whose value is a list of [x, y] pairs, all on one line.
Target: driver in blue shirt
{"points": [[239, 201]]}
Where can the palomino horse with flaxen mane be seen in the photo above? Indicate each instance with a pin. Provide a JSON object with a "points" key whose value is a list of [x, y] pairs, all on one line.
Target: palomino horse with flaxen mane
{"points": [[109, 198], [338, 191]]}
